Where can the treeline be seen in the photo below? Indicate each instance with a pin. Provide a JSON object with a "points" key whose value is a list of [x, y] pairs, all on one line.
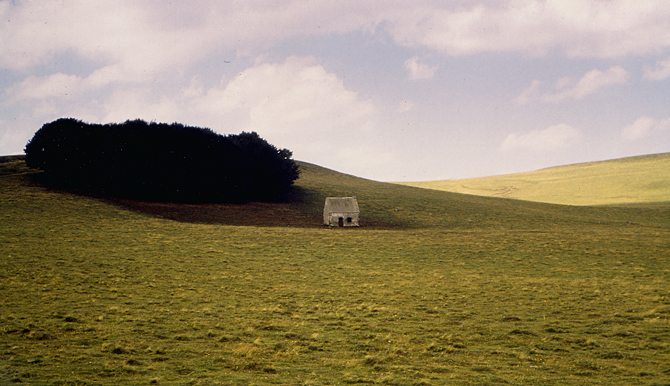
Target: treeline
{"points": [[160, 162]]}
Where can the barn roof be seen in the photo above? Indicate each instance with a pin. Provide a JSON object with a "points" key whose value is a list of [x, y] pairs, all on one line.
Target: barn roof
{"points": [[342, 204]]}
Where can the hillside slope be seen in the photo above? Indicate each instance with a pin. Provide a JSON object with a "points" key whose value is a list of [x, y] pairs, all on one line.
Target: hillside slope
{"points": [[383, 205], [435, 288], [632, 180]]}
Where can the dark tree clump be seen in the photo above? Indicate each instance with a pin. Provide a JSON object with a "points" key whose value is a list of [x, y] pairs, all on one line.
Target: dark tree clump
{"points": [[161, 162]]}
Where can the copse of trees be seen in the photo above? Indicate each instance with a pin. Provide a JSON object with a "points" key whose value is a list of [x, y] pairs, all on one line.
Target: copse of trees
{"points": [[160, 162]]}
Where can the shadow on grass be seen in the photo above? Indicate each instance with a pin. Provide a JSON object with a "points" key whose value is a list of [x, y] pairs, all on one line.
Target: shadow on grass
{"points": [[303, 206], [302, 209], [294, 212]]}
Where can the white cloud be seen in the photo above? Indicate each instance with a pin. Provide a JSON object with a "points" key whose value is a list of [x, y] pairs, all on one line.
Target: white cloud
{"points": [[60, 85], [296, 104], [142, 36], [299, 105], [156, 35], [660, 71], [419, 70], [596, 79], [644, 127], [566, 88], [296, 95], [112, 60], [531, 94], [550, 139], [153, 35], [45, 87], [576, 28], [639, 129]]}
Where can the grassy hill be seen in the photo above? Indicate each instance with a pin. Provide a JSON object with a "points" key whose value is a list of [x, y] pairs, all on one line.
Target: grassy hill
{"points": [[435, 288], [633, 180]]}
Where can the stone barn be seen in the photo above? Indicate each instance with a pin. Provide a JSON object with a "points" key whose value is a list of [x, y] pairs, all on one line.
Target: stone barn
{"points": [[341, 212]]}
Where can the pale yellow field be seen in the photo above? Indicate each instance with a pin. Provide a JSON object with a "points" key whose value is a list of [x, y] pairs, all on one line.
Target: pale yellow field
{"points": [[633, 180]]}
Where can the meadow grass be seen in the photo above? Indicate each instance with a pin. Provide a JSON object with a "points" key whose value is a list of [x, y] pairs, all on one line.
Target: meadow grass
{"points": [[633, 180], [436, 288]]}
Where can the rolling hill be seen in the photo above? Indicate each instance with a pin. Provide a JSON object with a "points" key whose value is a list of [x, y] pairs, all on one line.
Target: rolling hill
{"points": [[632, 180], [383, 206], [435, 288]]}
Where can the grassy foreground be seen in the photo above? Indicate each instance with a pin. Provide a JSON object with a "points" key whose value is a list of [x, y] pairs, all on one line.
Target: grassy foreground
{"points": [[436, 288], [633, 180]]}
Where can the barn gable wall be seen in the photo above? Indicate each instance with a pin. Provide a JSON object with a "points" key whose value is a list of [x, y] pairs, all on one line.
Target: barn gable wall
{"points": [[341, 212], [347, 219]]}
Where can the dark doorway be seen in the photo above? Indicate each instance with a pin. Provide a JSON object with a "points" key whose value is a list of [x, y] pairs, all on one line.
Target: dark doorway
{"points": [[340, 222]]}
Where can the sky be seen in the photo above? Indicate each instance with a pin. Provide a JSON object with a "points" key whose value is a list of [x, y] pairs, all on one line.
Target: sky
{"points": [[385, 90]]}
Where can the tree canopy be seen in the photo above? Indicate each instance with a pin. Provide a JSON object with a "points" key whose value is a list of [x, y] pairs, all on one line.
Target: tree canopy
{"points": [[161, 162]]}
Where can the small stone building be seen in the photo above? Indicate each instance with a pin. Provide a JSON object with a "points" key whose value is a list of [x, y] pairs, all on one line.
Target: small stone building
{"points": [[341, 212]]}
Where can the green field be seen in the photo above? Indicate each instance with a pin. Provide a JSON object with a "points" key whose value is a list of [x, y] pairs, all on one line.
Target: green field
{"points": [[643, 179], [435, 288]]}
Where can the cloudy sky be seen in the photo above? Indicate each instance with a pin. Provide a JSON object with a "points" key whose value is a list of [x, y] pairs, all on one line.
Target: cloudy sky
{"points": [[387, 90]]}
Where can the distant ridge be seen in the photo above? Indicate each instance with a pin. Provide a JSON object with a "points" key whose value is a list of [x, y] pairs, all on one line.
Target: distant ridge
{"points": [[383, 206], [631, 180]]}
